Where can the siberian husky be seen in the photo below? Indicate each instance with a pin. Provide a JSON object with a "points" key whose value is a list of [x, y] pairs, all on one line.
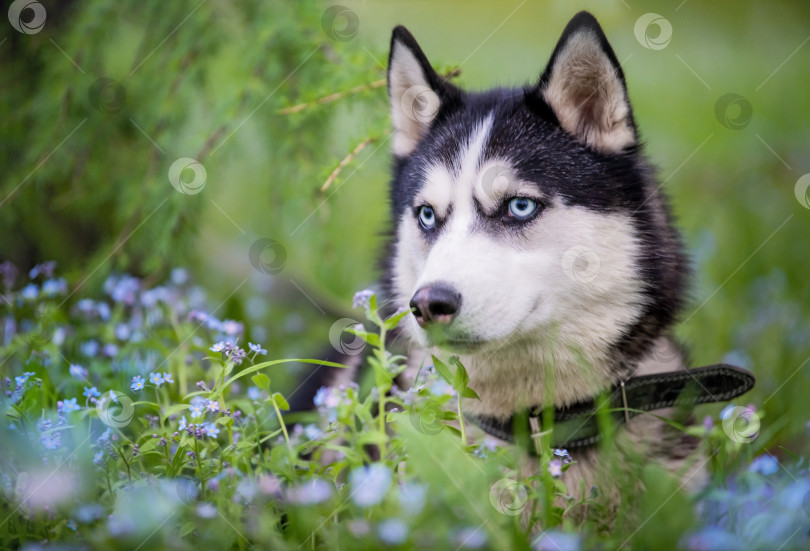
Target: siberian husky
{"points": [[531, 239]]}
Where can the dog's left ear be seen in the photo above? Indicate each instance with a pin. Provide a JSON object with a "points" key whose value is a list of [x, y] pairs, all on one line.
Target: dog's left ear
{"points": [[584, 86]]}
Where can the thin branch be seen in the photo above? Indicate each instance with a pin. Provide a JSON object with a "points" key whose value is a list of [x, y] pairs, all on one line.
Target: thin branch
{"points": [[339, 95], [346, 160]]}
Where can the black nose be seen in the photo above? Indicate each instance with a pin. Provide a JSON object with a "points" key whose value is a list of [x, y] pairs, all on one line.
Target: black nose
{"points": [[437, 303]]}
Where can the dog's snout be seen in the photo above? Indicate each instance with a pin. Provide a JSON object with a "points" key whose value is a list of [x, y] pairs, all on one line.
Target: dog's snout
{"points": [[435, 304]]}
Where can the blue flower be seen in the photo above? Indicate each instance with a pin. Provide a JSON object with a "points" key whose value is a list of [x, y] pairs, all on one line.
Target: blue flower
{"points": [[197, 410], [257, 348], [78, 372], [254, 393], [555, 468], [369, 484], [179, 276], [137, 383], [122, 331], [183, 423], [54, 287], [89, 348], [22, 379], [156, 379], [311, 492], [29, 292], [98, 458], [764, 464], [51, 440], [167, 377], [552, 540], [91, 392], [393, 531], [218, 347], [312, 432], [70, 405], [71, 524], [211, 405], [412, 498], [211, 430]]}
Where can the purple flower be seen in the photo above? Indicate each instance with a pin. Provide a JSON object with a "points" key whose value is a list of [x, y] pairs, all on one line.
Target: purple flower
{"points": [[137, 383], [362, 299], [555, 468], [45, 268]]}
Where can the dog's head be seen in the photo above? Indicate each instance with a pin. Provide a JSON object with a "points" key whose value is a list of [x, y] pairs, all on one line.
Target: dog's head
{"points": [[527, 213]]}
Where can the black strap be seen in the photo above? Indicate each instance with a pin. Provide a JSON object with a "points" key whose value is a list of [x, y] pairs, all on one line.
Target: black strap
{"points": [[576, 426]]}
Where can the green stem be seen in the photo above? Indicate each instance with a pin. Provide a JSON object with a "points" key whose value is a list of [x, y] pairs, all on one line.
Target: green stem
{"points": [[286, 437], [461, 422]]}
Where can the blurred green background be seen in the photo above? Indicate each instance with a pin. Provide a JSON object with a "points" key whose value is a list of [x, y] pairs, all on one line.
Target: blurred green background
{"points": [[86, 161]]}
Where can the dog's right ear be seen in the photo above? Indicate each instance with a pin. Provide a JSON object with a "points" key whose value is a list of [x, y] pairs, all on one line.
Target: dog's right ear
{"points": [[416, 92]]}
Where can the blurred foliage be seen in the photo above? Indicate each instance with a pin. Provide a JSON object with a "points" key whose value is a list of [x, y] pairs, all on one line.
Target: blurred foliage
{"points": [[87, 186]]}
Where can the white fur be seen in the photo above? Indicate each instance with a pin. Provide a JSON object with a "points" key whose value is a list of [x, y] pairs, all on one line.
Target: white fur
{"points": [[532, 322]]}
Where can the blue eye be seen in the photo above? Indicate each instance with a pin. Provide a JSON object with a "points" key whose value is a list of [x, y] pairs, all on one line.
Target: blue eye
{"points": [[427, 217], [522, 207]]}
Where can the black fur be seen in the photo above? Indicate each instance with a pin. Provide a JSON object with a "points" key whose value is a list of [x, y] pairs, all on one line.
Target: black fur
{"points": [[526, 132]]}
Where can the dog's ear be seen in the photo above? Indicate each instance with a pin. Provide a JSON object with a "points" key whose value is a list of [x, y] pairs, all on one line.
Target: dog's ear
{"points": [[584, 86], [415, 90]]}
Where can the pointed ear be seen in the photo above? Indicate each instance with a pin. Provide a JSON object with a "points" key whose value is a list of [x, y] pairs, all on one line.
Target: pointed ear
{"points": [[584, 86], [416, 92]]}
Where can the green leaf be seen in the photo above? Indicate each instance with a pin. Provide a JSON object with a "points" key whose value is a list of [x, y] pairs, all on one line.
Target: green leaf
{"points": [[461, 379], [442, 370], [261, 380], [186, 529], [227, 421], [280, 401], [470, 393], [394, 320]]}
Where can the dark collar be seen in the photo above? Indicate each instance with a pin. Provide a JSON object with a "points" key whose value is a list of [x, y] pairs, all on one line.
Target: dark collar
{"points": [[576, 425]]}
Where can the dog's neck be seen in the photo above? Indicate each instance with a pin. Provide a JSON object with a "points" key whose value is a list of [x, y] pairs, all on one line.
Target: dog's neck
{"points": [[533, 373]]}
